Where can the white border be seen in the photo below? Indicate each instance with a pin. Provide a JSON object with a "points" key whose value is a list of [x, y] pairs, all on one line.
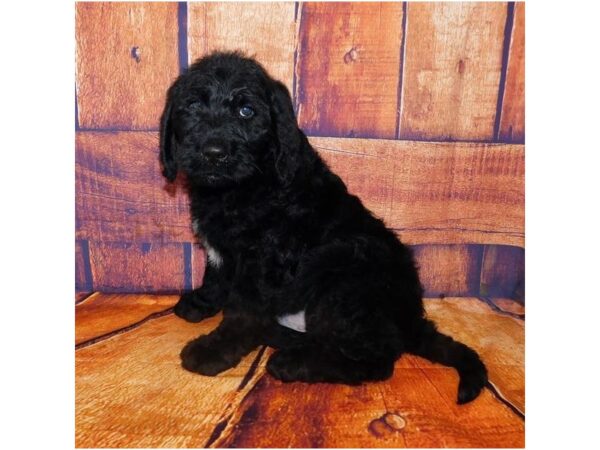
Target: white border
{"points": [[562, 191]]}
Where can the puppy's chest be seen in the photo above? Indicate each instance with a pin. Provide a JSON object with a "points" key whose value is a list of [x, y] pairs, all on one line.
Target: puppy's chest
{"points": [[282, 267], [227, 228], [277, 257], [213, 256]]}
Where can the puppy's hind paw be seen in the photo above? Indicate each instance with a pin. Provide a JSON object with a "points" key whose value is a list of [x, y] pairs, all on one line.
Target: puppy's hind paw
{"points": [[286, 365]]}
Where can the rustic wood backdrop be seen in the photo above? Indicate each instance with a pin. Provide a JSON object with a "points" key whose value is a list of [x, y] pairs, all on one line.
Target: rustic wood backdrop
{"points": [[418, 106]]}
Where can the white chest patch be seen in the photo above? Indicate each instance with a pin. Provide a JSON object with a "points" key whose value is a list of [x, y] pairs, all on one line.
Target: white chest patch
{"points": [[214, 258], [294, 321]]}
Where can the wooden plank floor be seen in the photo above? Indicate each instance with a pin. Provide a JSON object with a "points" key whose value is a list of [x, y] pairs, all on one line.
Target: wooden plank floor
{"points": [[132, 392]]}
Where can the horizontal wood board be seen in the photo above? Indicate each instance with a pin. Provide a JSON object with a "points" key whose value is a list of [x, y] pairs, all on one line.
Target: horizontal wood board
{"points": [[436, 193]]}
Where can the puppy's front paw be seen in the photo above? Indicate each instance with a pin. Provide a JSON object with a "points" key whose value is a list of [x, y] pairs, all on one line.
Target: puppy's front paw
{"points": [[191, 308], [198, 357]]}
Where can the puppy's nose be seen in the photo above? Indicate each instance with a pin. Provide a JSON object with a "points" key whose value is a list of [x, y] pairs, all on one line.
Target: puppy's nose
{"points": [[214, 153]]}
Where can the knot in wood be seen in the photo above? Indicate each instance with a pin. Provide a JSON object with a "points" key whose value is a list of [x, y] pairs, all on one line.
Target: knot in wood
{"points": [[136, 54], [394, 421], [386, 424], [351, 55]]}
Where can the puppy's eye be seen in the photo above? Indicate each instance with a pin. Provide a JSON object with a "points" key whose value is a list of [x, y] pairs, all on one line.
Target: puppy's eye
{"points": [[246, 112]]}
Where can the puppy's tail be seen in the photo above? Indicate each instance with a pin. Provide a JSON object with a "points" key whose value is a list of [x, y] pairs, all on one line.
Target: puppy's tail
{"points": [[437, 347]]}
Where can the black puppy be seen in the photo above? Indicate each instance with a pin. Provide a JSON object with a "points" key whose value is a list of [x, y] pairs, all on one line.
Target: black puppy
{"points": [[294, 260]]}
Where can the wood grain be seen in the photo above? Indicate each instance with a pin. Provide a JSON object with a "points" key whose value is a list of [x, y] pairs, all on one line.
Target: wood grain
{"points": [[132, 392], [452, 70], [126, 58], [299, 415], [121, 194], [138, 267], [449, 270], [503, 272], [105, 313], [512, 119], [349, 68], [446, 193], [415, 408], [264, 30], [82, 283]]}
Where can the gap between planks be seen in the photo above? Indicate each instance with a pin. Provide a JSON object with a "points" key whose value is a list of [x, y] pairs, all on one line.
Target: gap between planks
{"points": [[118, 331], [247, 385], [488, 301], [86, 298], [497, 393]]}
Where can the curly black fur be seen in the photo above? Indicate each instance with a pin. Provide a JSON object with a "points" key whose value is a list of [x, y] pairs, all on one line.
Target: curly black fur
{"points": [[284, 235]]}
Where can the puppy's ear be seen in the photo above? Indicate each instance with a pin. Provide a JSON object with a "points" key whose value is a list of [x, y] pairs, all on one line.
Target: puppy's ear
{"points": [[166, 142], [289, 137]]}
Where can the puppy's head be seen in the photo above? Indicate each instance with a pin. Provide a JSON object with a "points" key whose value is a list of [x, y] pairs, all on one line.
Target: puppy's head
{"points": [[226, 121]]}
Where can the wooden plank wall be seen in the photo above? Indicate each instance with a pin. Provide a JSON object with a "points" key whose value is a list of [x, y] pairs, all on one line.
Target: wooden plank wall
{"points": [[348, 68], [453, 65], [418, 106]]}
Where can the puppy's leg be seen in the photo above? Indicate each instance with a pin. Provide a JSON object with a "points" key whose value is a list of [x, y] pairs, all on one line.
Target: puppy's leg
{"points": [[223, 348], [205, 301], [318, 363], [350, 339], [352, 331]]}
